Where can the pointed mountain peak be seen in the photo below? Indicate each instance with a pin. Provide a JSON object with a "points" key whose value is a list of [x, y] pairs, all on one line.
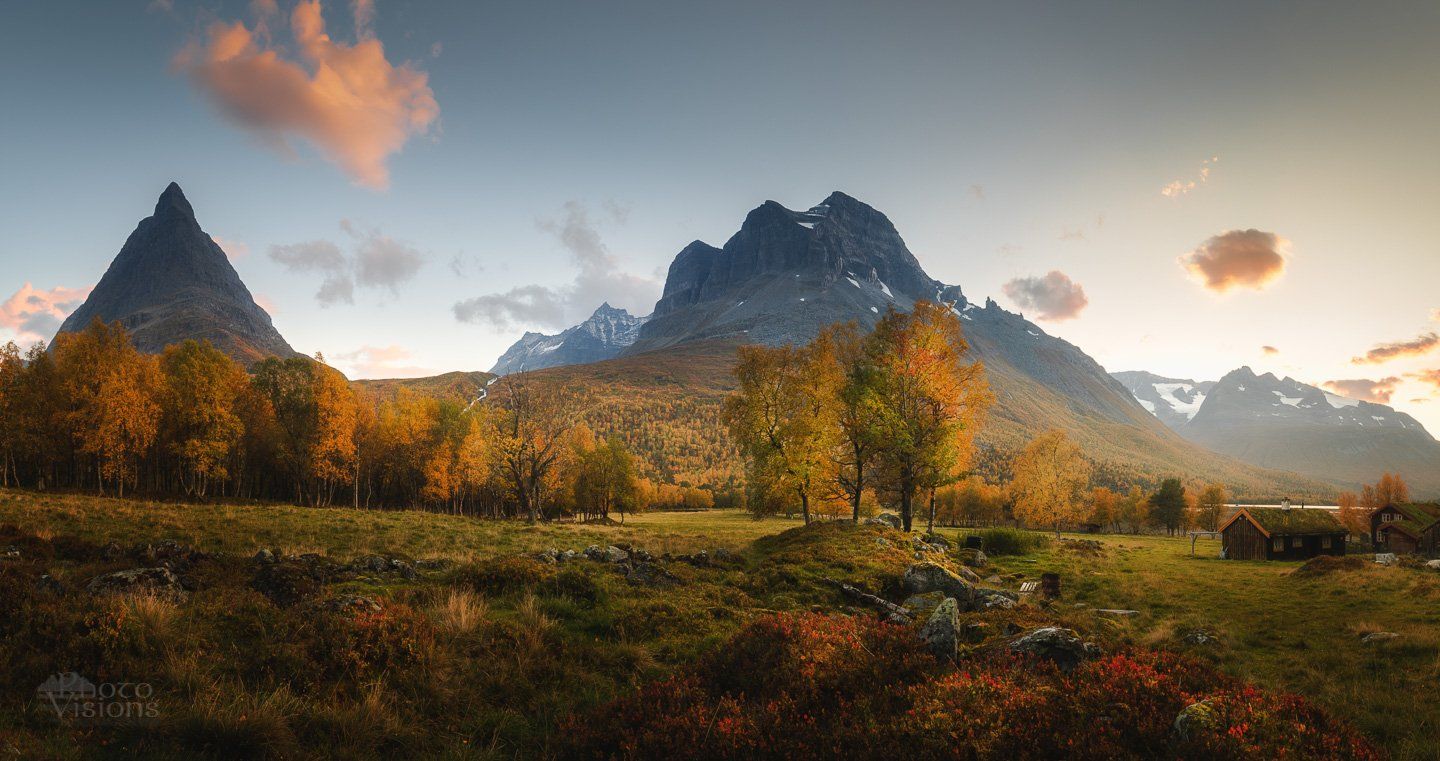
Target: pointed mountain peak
{"points": [[173, 202]]}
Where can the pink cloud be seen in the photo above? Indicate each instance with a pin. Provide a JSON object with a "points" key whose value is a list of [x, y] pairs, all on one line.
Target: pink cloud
{"points": [[1422, 344], [1378, 391], [234, 250], [348, 101], [265, 303], [1055, 296], [381, 362], [35, 315]]}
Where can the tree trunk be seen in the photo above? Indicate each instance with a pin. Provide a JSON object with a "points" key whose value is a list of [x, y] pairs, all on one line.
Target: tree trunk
{"points": [[805, 506], [930, 529], [907, 496]]}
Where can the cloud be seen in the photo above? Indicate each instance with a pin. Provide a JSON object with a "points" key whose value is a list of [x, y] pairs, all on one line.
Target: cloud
{"points": [[1422, 344], [348, 101], [598, 280], [1055, 297], [234, 250], [380, 362], [1435, 315], [1378, 391], [1183, 187], [1238, 259], [1269, 351], [34, 315], [978, 191], [1428, 377], [377, 261]]}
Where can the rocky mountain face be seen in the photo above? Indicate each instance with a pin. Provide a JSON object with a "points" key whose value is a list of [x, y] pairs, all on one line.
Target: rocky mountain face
{"points": [[1282, 423], [603, 335], [171, 282], [786, 274]]}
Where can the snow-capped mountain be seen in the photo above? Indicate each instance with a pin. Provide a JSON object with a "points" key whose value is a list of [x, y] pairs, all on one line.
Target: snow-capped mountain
{"points": [[1283, 423], [603, 335]]}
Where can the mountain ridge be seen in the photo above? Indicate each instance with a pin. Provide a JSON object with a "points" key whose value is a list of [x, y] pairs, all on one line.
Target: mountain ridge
{"points": [[604, 334]]}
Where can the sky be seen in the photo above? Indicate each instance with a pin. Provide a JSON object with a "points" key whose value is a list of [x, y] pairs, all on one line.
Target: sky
{"points": [[407, 187]]}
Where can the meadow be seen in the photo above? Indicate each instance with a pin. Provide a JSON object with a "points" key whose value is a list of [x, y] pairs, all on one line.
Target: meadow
{"points": [[487, 652]]}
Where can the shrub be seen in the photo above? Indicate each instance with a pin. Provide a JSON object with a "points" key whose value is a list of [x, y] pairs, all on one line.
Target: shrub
{"points": [[1009, 541], [461, 611], [802, 686]]}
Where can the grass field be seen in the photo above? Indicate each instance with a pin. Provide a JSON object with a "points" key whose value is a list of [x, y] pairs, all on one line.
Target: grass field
{"points": [[521, 645]]}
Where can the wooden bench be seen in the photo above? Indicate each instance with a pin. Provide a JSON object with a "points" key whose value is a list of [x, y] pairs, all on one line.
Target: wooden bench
{"points": [[1029, 587]]}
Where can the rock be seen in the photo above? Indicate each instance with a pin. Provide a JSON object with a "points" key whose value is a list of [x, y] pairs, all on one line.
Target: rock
{"points": [[937, 540], [895, 614], [1386, 558], [1193, 721], [941, 632], [1374, 637], [882, 542], [932, 577], [9, 552], [973, 557], [1116, 612], [48, 584], [382, 564], [993, 579], [993, 599], [350, 604], [1199, 638], [1433, 565], [265, 557], [723, 555], [568, 555], [157, 580], [651, 574], [1061, 646], [550, 557], [614, 554], [889, 519], [922, 605], [112, 551], [968, 575]]}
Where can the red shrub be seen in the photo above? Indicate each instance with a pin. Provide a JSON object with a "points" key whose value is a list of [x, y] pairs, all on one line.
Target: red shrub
{"points": [[813, 686]]}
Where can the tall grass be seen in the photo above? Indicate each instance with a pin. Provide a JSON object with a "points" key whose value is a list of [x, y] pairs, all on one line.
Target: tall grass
{"points": [[1008, 541]]}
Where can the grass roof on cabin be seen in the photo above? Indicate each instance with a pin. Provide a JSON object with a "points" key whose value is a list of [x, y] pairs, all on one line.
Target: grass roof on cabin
{"points": [[1296, 520], [1421, 514]]}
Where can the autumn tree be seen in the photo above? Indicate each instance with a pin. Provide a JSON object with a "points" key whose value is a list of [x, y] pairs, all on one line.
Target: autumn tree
{"points": [[605, 480], [1050, 476], [1104, 507], [12, 369], [1351, 517], [1210, 506], [856, 411], [927, 400], [199, 406], [1135, 509], [1167, 506], [1391, 489], [782, 416], [532, 425]]}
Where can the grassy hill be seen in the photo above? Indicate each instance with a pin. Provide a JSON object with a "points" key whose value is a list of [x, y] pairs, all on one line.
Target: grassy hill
{"points": [[459, 387]]}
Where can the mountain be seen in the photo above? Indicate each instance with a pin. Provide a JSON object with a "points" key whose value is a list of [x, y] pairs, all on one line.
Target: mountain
{"points": [[603, 335], [171, 282], [1173, 400], [785, 274], [1282, 423]]}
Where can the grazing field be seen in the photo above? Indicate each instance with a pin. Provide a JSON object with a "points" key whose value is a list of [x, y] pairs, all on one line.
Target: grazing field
{"points": [[482, 651]]}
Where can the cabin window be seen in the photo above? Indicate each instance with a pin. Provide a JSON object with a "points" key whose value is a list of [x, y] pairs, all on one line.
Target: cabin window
{"points": [[1278, 544], [1324, 542], [1297, 542], [1388, 517]]}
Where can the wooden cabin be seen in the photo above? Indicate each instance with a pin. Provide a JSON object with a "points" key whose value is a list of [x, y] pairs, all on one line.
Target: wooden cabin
{"points": [[1406, 529], [1281, 533]]}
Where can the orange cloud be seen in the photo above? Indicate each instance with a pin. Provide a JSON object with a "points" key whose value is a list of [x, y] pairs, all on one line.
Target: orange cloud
{"points": [[1422, 344], [1182, 187], [1431, 377], [1378, 391], [35, 315], [1238, 259], [1269, 351], [348, 101]]}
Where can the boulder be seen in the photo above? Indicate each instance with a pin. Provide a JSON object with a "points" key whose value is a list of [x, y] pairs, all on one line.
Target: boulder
{"points": [[382, 564], [941, 632], [932, 577], [922, 605], [1193, 721], [968, 575], [937, 540], [889, 519], [550, 557], [595, 553], [1433, 565], [614, 554], [1374, 637], [1061, 646], [973, 557], [265, 557], [1386, 558], [651, 574], [993, 599], [155, 580], [1199, 638]]}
